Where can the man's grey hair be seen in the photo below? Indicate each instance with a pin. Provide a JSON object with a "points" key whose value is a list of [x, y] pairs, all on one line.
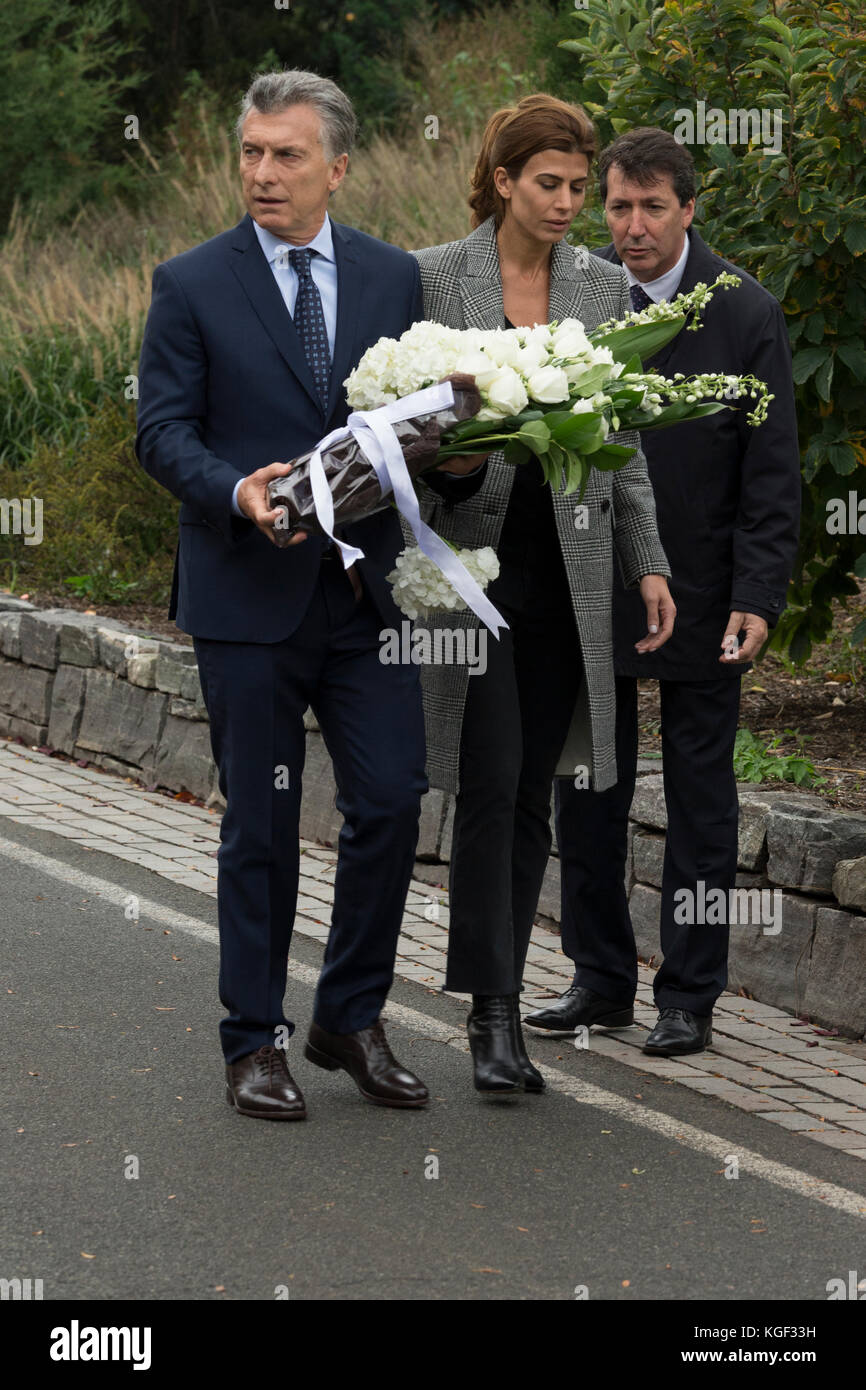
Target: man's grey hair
{"points": [[276, 91]]}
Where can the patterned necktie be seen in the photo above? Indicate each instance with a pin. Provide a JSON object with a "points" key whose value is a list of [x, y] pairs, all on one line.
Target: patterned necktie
{"points": [[640, 300], [310, 322]]}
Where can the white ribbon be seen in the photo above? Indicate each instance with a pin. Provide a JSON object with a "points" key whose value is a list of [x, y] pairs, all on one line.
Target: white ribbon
{"points": [[374, 433]]}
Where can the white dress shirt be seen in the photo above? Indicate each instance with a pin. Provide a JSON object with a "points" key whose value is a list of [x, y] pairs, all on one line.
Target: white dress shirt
{"points": [[323, 268], [666, 286]]}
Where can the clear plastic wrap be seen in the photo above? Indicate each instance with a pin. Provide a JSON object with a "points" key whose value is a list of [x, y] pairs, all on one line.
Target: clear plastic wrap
{"points": [[351, 476]]}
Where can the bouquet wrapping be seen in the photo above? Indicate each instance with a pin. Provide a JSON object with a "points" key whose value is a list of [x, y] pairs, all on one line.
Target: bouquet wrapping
{"points": [[353, 481]]}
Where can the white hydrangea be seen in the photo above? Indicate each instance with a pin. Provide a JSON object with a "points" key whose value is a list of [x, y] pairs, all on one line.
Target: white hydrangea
{"points": [[419, 587]]}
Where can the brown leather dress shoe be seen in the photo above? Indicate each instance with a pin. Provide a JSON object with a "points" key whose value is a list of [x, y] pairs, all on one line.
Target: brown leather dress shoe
{"points": [[260, 1085], [368, 1059]]}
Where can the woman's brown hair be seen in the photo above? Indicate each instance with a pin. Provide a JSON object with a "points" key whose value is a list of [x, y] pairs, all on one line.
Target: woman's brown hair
{"points": [[514, 134]]}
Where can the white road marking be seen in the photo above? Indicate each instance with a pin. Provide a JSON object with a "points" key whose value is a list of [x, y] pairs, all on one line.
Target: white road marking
{"points": [[792, 1179]]}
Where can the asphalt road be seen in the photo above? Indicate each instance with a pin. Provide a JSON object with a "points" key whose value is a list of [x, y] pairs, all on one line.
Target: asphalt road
{"points": [[611, 1185]]}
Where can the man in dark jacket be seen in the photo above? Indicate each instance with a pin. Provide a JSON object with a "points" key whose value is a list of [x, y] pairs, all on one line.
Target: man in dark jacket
{"points": [[728, 505]]}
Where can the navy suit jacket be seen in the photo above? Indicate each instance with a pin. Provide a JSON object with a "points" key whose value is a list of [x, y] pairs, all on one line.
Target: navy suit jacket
{"points": [[224, 389], [727, 495]]}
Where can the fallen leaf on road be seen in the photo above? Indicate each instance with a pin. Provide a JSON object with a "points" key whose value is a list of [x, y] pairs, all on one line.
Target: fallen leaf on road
{"points": [[85, 1256]]}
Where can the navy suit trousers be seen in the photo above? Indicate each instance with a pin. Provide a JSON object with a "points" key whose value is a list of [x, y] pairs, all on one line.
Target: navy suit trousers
{"points": [[371, 720], [699, 725]]}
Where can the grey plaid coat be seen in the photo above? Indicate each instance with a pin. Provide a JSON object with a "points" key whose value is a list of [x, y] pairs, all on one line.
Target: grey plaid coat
{"points": [[463, 289]]}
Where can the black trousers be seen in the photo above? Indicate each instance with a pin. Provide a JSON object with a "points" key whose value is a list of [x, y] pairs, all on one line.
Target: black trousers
{"points": [[698, 725], [372, 722], [515, 722]]}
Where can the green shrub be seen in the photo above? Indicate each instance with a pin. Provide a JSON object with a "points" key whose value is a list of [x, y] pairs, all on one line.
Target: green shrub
{"points": [[107, 525], [795, 220]]}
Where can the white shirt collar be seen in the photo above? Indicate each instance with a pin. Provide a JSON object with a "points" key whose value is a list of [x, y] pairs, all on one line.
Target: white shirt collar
{"points": [[273, 246], [666, 286]]}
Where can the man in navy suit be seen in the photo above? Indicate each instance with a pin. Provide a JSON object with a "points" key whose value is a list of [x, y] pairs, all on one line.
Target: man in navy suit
{"points": [[248, 341], [728, 506]]}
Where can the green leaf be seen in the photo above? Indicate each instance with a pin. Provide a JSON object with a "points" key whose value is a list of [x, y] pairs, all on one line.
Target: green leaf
{"points": [[611, 456], [814, 327], [675, 412], [855, 237], [536, 436], [860, 567], [576, 475], [576, 430], [807, 361], [842, 457], [643, 340], [593, 380], [853, 354], [515, 452], [830, 228], [824, 379]]}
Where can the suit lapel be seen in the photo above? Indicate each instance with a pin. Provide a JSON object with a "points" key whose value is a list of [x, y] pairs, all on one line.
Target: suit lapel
{"points": [[348, 300], [257, 280]]}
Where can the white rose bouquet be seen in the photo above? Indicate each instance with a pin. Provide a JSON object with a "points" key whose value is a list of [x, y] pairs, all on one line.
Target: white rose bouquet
{"points": [[552, 391], [555, 390]]}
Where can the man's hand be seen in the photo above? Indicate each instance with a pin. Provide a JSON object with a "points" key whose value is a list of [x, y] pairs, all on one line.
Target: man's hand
{"points": [[461, 464], [252, 499], [755, 629], [660, 612]]}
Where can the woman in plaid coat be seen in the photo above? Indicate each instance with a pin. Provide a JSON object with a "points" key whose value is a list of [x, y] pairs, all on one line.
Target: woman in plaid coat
{"points": [[543, 704]]}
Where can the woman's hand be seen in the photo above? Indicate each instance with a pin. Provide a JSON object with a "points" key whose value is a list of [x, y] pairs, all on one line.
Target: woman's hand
{"points": [[461, 464], [660, 612]]}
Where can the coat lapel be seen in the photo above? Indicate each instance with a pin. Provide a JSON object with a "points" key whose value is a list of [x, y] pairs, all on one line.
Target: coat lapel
{"points": [[348, 300], [481, 285], [699, 266], [256, 278], [566, 284]]}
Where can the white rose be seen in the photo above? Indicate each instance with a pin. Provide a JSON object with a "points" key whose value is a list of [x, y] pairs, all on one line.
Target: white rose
{"points": [[503, 347], [570, 340], [475, 363], [548, 385], [506, 393], [531, 357]]}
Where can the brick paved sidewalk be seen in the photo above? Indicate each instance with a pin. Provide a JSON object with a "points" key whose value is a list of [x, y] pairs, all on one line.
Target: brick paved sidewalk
{"points": [[761, 1059]]}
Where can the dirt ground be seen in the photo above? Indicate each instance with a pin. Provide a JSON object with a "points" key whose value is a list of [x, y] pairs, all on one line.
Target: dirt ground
{"points": [[823, 703]]}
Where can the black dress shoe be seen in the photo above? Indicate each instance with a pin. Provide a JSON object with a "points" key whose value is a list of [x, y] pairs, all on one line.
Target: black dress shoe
{"points": [[493, 1043], [368, 1059], [532, 1079], [261, 1086], [678, 1032], [579, 1005]]}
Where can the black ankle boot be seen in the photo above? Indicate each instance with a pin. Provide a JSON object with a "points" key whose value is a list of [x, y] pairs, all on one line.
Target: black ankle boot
{"points": [[532, 1078], [492, 1041]]}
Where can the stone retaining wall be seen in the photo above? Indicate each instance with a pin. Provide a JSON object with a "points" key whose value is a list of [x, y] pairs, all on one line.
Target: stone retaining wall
{"points": [[94, 689]]}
